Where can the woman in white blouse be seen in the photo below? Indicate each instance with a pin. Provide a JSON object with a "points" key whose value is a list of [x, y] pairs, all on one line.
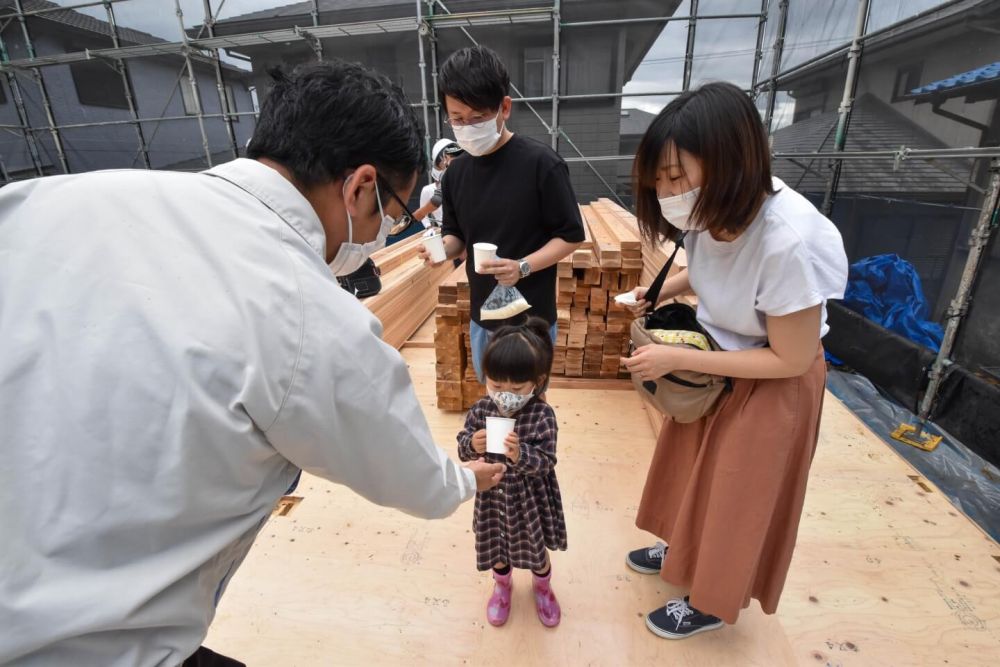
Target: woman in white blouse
{"points": [[725, 493]]}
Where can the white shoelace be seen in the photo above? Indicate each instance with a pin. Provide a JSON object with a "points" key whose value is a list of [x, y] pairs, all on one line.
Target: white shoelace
{"points": [[678, 609], [657, 550]]}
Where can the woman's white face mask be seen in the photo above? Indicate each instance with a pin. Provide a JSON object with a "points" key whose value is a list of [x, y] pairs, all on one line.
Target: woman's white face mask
{"points": [[677, 209]]}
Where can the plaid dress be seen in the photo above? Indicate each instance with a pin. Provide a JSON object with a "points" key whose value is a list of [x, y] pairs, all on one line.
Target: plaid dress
{"points": [[516, 521]]}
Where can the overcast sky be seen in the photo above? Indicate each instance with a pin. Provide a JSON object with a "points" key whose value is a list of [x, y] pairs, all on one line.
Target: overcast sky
{"points": [[724, 48]]}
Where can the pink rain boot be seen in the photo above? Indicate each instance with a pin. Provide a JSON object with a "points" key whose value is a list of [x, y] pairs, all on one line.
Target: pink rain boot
{"points": [[498, 608], [546, 604]]}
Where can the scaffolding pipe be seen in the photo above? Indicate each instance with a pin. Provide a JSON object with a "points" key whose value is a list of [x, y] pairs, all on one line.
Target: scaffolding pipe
{"points": [[43, 91], [758, 53], [423, 87], [546, 125], [846, 103], [220, 82], [554, 132], [318, 46], [979, 241], [658, 19], [432, 34], [776, 55], [689, 49], [193, 81], [22, 115], [122, 69], [900, 155]]}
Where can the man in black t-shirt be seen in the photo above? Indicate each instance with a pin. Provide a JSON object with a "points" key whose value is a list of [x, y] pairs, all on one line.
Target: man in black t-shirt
{"points": [[508, 190]]}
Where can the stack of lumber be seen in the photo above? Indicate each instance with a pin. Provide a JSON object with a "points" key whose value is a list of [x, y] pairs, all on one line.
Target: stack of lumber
{"points": [[593, 329], [409, 290], [654, 254], [457, 386]]}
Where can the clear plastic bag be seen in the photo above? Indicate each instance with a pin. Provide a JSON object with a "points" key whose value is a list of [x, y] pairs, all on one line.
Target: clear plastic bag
{"points": [[503, 303]]}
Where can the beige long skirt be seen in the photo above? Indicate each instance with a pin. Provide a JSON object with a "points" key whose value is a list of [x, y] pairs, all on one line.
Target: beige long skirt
{"points": [[726, 492]]}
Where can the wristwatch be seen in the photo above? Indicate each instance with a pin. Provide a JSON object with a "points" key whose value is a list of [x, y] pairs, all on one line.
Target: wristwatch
{"points": [[525, 268]]}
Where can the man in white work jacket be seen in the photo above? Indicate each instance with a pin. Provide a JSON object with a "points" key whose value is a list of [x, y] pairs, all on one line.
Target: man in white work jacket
{"points": [[175, 348]]}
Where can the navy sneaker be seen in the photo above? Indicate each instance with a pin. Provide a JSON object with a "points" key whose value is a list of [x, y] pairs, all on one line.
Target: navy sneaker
{"points": [[679, 619], [647, 561]]}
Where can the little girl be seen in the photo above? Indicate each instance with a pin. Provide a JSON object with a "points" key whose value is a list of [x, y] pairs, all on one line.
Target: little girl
{"points": [[517, 522]]}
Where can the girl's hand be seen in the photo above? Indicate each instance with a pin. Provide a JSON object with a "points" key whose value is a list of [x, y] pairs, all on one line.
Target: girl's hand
{"points": [[479, 441], [653, 361], [641, 306], [513, 447]]}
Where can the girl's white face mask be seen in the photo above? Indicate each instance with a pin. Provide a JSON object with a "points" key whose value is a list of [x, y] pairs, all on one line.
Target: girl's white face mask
{"points": [[509, 403], [677, 210]]}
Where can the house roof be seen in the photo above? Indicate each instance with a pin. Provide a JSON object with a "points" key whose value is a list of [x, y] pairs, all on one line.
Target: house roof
{"points": [[74, 19], [875, 126], [78, 21], [635, 121], [987, 76]]}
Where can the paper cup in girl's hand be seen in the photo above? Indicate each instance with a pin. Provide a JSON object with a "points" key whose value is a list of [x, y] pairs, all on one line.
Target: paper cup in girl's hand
{"points": [[497, 429], [484, 252], [434, 243]]}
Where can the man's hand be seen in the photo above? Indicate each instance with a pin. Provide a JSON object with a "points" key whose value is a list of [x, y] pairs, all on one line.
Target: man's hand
{"points": [[479, 441], [426, 256], [513, 447], [487, 475], [506, 271]]}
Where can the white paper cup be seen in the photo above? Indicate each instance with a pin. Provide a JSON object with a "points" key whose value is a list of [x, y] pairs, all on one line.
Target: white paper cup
{"points": [[484, 252], [435, 247], [497, 429]]}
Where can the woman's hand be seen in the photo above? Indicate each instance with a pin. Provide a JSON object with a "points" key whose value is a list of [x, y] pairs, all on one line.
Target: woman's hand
{"points": [[479, 441], [641, 305], [654, 361], [513, 447]]}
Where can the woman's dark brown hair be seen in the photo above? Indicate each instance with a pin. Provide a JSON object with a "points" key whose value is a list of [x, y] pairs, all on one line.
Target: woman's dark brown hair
{"points": [[718, 124]]}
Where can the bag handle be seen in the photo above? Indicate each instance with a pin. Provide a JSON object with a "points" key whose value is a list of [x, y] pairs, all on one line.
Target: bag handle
{"points": [[653, 293]]}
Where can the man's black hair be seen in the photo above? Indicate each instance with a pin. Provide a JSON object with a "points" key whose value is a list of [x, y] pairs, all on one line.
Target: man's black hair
{"points": [[476, 77], [322, 120]]}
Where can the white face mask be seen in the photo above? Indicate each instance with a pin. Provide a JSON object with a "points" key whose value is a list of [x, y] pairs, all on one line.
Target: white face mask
{"points": [[508, 402], [677, 210], [352, 256], [478, 138], [436, 174]]}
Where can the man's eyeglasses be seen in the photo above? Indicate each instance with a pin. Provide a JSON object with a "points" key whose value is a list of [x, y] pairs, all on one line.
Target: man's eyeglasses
{"points": [[458, 122], [407, 217]]}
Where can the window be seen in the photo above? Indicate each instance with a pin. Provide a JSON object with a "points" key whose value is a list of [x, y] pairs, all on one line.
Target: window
{"points": [[187, 95], [537, 72], [907, 78], [98, 84], [231, 103]]}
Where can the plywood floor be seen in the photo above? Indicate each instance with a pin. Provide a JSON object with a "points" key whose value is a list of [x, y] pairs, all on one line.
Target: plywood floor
{"points": [[886, 572]]}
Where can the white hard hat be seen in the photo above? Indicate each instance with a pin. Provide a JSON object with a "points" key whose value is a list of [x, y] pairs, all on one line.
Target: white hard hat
{"points": [[439, 147]]}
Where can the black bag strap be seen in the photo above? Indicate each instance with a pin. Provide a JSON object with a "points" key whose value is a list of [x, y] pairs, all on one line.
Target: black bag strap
{"points": [[653, 293]]}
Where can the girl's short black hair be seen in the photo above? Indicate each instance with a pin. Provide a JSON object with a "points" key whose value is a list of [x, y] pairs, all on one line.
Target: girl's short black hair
{"points": [[519, 353]]}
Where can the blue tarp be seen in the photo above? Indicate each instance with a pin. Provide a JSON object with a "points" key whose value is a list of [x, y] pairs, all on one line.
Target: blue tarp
{"points": [[886, 290]]}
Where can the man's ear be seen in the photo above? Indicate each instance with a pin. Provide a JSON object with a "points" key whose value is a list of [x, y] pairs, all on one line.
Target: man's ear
{"points": [[506, 106], [359, 190]]}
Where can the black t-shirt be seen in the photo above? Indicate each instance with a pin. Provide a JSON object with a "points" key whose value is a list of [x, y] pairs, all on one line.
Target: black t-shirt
{"points": [[519, 198]]}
